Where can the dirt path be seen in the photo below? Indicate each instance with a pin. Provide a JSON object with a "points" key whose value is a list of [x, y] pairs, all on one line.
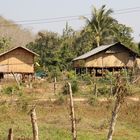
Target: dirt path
{"points": [[134, 99]]}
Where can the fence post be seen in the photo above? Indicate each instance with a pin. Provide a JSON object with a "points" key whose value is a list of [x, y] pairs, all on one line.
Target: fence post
{"points": [[121, 92], [10, 134], [73, 119], [54, 85], [34, 124]]}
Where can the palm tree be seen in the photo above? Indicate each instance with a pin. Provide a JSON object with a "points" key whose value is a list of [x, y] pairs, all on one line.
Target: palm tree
{"points": [[100, 24]]}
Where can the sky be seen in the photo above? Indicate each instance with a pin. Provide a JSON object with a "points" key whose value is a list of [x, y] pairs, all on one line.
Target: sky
{"points": [[50, 13]]}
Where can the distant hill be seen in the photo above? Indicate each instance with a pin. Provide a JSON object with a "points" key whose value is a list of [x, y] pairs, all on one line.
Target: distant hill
{"points": [[17, 35]]}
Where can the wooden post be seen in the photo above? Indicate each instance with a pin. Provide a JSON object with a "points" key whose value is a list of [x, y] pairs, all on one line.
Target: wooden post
{"points": [[96, 71], [113, 120], [95, 89], [54, 85], [120, 94], [111, 86], [30, 79], [10, 134], [73, 119], [16, 79], [34, 124], [113, 71]]}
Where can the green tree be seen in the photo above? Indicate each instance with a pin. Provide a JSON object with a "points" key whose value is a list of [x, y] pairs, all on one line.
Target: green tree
{"points": [[123, 34], [46, 45], [4, 43], [103, 29], [67, 50], [100, 25]]}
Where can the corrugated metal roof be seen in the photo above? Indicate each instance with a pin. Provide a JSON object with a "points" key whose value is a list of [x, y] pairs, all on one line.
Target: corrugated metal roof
{"points": [[17, 48], [94, 51]]}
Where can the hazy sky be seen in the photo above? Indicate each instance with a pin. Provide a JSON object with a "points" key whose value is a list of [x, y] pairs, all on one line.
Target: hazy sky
{"points": [[21, 10]]}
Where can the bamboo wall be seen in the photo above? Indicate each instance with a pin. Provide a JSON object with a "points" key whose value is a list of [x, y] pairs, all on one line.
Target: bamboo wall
{"points": [[138, 62], [111, 58], [18, 61]]}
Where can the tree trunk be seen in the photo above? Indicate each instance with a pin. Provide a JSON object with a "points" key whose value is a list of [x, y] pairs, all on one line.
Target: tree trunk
{"points": [[10, 134], [34, 124], [98, 40], [98, 44], [113, 119], [120, 93], [73, 120]]}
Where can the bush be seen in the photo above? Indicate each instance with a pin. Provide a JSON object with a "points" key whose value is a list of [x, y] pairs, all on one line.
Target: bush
{"points": [[74, 83], [104, 91], [71, 75], [65, 89], [54, 73], [93, 100], [74, 87], [8, 90], [86, 78]]}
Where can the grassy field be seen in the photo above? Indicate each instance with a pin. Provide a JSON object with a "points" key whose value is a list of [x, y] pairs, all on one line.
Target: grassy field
{"points": [[54, 121], [54, 117]]}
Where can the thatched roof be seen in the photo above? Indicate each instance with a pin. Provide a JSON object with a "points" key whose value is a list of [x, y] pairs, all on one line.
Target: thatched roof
{"points": [[17, 48], [100, 49]]}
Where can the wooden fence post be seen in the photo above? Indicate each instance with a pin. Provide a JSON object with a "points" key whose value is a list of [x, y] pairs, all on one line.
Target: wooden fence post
{"points": [[121, 92], [113, 119], [10, 134], [111, 86], [34, 124], [73, 119], [54, 85]]}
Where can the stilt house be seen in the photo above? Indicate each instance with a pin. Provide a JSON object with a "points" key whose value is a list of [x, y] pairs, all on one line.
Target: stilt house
{"points": [[17, 60], [108, 57]]}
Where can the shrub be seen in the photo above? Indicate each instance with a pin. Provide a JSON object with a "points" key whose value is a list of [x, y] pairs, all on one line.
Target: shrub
{"points": [[73, 79], [8, 90], [54, 73], [65, 89], [74, 87], [71, 75], [93, 100], [86, 78], [104, 90]]}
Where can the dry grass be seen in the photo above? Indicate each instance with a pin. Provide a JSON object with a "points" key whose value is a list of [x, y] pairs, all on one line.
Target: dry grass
{"points": [[54, 121]]}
